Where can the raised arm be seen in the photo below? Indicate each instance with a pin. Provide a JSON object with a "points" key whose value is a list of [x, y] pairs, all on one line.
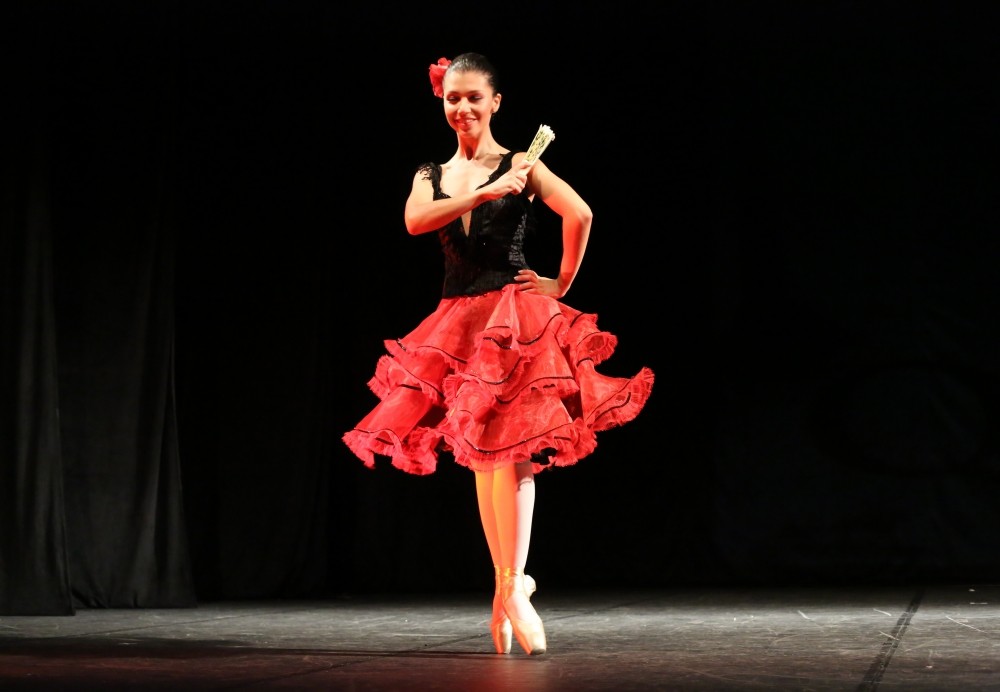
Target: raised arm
{"points": [[423, 213]]}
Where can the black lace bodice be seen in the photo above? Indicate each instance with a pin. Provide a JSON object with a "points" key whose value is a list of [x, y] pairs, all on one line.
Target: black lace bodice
{"points": [[488, 257]]}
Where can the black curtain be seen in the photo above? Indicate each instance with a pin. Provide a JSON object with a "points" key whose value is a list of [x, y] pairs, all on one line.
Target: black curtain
{"points": [[93, 510], [856, 300], [203, 251], [34, 568]]}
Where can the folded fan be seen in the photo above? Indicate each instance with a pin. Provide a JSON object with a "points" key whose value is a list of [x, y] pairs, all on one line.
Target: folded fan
{"points": [[542, 139]]}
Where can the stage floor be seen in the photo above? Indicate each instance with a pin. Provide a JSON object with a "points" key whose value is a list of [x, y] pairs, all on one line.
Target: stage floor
{"points": [[891, 638]]}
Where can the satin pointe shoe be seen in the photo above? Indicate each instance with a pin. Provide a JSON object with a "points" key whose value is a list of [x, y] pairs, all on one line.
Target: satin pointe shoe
{"points": [[530, 633], [500, 626]]}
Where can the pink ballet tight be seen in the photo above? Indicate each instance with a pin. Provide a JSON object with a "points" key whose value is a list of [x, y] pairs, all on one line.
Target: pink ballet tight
{"points": [[506, 504]]}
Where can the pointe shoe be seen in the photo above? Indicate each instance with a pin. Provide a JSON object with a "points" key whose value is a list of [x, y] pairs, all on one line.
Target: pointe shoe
{"points": [[500, 626], [530, 633]]}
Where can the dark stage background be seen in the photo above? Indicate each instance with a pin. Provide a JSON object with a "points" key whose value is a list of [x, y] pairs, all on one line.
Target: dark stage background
{"points": [[203, 249]]}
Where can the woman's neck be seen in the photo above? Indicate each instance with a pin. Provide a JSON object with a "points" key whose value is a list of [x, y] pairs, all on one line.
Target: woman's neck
{"points": [[477, 149]]}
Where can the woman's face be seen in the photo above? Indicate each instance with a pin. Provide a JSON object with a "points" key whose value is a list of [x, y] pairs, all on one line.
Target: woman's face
{"points": [[469, 101]]}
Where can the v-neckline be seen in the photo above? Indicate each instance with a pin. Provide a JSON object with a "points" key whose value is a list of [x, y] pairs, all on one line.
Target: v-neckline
{"points": [[467, 230]]}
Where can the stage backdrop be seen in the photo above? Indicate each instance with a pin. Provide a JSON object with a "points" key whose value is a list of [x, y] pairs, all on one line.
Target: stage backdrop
{"points": [[203, 250]]}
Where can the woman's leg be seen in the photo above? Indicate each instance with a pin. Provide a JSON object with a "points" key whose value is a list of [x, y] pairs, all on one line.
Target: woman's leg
{"points": [[514, 505], [506, 505], [487, 514], [500, 626]]}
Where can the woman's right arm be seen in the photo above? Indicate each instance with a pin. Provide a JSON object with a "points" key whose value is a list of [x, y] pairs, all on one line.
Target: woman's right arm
{"points": [[424, 214]]}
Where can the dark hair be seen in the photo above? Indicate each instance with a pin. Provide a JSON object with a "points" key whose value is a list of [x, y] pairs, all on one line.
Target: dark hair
{"points": [[475, 62]]}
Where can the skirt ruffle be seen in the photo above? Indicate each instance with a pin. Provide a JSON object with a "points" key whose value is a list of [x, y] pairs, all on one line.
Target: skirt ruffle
{"points": [[498, 378]]}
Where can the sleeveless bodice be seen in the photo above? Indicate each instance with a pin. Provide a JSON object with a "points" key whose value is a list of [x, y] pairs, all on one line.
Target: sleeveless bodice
{"points": [[491, 254]]}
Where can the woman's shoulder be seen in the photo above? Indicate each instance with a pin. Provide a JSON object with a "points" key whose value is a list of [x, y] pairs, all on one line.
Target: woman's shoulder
{"points": [[428, 171], [515, 157]]}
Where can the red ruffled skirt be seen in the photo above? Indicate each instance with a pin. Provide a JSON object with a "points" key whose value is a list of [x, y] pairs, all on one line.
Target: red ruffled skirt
{"points": [[497, 378]]}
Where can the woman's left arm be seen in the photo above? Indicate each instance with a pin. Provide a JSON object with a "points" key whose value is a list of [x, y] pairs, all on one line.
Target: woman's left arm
{"points": [[577, 218]]}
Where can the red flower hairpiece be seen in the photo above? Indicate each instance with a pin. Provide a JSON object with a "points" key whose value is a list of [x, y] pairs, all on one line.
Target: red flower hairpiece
{"points": [[437, 76]]}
